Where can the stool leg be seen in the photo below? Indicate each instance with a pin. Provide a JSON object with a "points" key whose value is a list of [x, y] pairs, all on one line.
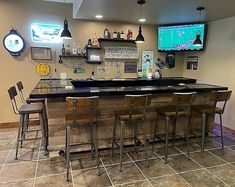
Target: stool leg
{"points": [[113, 138], [145, 145], [45, 123], [187, 134], [167, 132], [204, 123], [43, 132], [23, 128], [221, 130], [121, 143], [135, 136], [67, 151], [19, 134], [155, 130], [173, 136], [92, 140], [96, 149]]}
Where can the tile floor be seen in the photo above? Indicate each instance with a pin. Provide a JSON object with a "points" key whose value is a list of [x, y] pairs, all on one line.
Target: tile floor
{"points": [[33, 169]]}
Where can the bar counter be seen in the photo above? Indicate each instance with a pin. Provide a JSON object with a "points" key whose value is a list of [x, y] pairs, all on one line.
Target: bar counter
{"points": [[111, 98], [54, 88]]}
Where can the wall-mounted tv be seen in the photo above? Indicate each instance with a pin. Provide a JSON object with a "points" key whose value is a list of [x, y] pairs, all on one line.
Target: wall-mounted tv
{"points": [[180, 37]]}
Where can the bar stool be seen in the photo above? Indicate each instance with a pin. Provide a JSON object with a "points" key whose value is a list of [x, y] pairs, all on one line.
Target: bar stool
{"points": [[134, 112], [24, 111], [180, 107], [222, 97], [209, 108], [81, 111], [35, 100]]}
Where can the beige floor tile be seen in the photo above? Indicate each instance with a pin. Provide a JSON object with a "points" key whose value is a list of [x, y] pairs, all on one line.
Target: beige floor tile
{"points": [[143, 183], [23, 183]]}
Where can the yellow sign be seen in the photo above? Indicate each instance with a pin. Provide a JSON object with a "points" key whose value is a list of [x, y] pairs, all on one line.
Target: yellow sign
{"points": [[42, 69]]}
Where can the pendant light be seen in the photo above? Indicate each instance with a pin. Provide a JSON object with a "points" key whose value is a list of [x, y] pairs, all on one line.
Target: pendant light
{"points": [[66, 33], [140, 37], [198, 41]]}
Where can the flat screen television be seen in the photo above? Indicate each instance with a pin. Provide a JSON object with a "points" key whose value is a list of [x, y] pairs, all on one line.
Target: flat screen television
{"points": [[180, 37]]}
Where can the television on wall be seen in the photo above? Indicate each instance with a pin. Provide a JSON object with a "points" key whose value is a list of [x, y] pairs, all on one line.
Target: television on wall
{"points": [[180, 37]]}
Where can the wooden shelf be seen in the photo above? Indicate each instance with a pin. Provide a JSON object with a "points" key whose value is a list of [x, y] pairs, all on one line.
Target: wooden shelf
{"points": [[93, 62], [73, 56], [115, 40], [93, 47]]}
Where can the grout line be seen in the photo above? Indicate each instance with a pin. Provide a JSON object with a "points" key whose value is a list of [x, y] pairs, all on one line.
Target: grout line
{"points": [[35, 175], [206, 169], [106, 172], [70, 163], [174, 171], [15, 181], [139, 169]]}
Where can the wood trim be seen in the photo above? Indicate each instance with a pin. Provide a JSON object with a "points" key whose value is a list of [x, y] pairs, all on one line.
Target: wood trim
{"points": [[226, 130], [16, 124]]}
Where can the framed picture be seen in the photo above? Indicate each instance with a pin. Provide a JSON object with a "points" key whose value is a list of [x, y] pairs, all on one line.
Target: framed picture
{"points": [[41, 53], [147, 63], [130, 67]]}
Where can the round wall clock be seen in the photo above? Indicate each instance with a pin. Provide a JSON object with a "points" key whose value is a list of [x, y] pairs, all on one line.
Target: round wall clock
{"points": [[42, 69], [14, 43]]}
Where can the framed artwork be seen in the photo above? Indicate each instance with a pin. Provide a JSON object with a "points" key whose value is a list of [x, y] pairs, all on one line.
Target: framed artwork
{"points": [[130, 67], [192, 62], [41, 53], [147, 63]]}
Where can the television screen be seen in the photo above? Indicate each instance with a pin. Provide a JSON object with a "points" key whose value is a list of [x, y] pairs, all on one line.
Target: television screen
{"points": [[180, 37]]}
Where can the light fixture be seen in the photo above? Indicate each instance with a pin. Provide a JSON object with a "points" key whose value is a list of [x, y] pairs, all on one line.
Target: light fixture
{"points": [[140, 37], [66, 33], [99, 16], [198, 41]]}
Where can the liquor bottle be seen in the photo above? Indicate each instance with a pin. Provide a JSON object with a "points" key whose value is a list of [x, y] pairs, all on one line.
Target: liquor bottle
{"points": [[74, 48], [89, 44], [106, 33], [129, 35], [122, 35], [114, 34], [63, 50], [95, 40], [78, 48], [68, 52]]}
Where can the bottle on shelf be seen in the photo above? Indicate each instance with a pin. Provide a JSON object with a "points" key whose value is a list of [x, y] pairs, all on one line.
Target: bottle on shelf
{"points": [[74, 48], [106, 33], [114, 34], [63, 50], [95, 40], [93, 75], [78, 48], [122, 35], [129, 35], [68, 52], [89, 44]]}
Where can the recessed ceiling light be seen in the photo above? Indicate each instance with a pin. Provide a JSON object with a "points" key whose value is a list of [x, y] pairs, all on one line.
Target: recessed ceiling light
{"points": [[142, 20], [99, 16]]}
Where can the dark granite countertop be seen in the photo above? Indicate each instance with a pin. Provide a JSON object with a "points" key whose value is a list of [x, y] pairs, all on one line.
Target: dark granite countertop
{"points": [[52, 88]]}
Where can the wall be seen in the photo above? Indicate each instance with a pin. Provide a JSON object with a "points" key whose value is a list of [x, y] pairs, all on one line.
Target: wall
{"points": [[20, 15], [217, 62]]}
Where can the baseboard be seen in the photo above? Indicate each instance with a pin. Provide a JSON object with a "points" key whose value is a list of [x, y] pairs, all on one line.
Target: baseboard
{"points": [[226, 130], [16, 124]]}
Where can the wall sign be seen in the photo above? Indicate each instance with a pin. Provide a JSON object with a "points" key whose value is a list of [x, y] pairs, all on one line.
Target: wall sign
{"points": [[14, 43], [147, 63], [130, 67], [43, 69], [41, 53], [170, 60], [121, 52], [192, 62]]}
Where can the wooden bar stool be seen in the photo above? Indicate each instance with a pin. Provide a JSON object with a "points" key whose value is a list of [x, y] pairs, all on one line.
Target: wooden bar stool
{"points": [[24, 111], [35, 100], [81, 111], [180, 107], [134, 112], [222, 97]]}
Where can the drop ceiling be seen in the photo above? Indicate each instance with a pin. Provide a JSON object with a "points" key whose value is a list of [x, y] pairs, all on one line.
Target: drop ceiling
{"points": [[155, 11]]}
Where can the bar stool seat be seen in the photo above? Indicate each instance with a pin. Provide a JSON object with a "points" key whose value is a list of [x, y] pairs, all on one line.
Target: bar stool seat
{"points": [[24, 111], [133, 113], [81, 111]]}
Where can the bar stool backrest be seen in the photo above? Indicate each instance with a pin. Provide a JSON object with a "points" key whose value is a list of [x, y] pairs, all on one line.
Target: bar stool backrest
{"points": [[20, 88], [81, 107], [183, 101], [12, 94], [137, 102], [223, 96]]}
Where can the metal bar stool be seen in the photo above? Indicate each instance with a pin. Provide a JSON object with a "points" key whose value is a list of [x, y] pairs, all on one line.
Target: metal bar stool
{"points": [[206, 109], [180, 107], [222, 97], [24, 111], [81, 111], [35, 100], [134, 112]]}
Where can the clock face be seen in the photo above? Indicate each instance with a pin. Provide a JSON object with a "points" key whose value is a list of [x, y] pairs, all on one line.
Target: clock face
{"points": [[42, 69], [13, 43]]}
